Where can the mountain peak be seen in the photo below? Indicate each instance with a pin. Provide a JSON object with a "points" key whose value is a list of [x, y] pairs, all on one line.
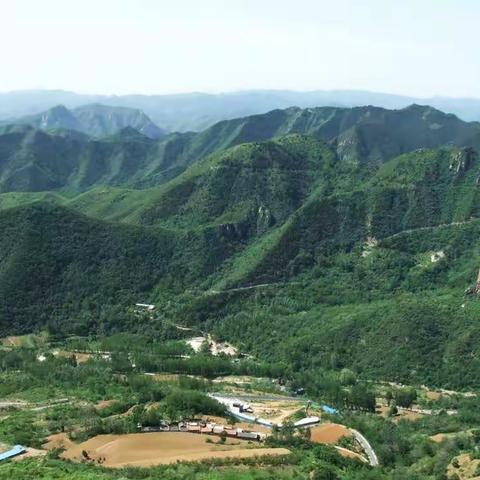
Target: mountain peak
{"points": [[95, 120]]}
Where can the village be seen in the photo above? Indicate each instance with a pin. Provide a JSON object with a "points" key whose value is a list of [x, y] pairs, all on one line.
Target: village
{"points": [[256, 410]]}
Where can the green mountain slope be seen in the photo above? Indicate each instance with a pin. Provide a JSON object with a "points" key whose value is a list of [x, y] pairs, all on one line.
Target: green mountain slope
{"points": [[283, 242], [57, 159], [259, 182], [397, 312], [56, 263], [362, 134], [33, 160], [417, 190], [61, 268]]}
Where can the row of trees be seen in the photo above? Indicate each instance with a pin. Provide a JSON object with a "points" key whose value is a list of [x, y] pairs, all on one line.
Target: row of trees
{"points": [[402, 397]]}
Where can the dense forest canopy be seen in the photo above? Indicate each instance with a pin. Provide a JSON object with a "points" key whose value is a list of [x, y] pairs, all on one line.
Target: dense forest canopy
{"points": [[350, 233]]}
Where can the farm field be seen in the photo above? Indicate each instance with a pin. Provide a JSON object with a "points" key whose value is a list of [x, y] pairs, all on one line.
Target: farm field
{"points": [[329, 433], [463, 467], [148, 449], [383, 410], [276, 411], [106, 414]]}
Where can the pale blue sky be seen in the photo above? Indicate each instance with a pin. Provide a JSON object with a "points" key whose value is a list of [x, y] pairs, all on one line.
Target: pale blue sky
{"points": [[421, 47]]}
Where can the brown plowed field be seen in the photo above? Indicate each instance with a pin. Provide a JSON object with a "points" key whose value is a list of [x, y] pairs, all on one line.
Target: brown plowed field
{"points": [[148, 449], [329, 433]]}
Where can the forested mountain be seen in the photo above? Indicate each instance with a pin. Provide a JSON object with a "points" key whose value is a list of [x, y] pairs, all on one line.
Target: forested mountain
{"points": [[350, 233], [94, 120], [33, 160], [198, 111]]}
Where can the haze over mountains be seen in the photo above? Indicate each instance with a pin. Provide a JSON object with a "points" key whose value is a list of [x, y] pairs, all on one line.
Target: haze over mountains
{"points": [[320, 223], [94, 120], [197, 111]]}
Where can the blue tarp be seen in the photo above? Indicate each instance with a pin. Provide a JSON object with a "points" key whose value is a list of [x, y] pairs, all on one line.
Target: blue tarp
{"points": [[328, 409], [13, 452]]}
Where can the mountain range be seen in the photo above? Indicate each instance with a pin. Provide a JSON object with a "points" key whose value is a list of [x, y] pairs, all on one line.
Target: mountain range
{"points": [[329, 237], [197, 111], [94, 120], [34, 160]]}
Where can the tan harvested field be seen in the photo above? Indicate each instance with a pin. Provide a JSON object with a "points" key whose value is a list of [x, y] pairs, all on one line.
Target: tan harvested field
{"points": [[152, 406], [29, 340], [104, 404], [12, 341], [148, 449], [329, 433], [438, 394], [407, 415], [439, 437], [431, 395], [467, 468], [383, 410], [58, 440]]}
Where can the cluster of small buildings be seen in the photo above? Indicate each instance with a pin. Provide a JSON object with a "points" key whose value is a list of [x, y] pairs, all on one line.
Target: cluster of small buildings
{"points": [[209, 428]]}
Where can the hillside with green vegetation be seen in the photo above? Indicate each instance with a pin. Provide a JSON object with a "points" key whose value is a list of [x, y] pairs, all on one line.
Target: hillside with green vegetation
{"points": [[313, 222], [331, 247], [59, 159], [95, 398]]}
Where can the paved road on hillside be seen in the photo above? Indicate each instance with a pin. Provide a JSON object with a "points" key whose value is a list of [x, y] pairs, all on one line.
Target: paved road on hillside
{"points": [[252, 287], [33, 406], [432, 227], [259, 398], [427, 411], [372, 456], [367, 448], [13, 403]]}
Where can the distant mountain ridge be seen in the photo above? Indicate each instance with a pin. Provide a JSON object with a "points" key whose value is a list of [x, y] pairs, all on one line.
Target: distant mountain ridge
{"points": [[94, 120], [34, 160], [197, 111]]}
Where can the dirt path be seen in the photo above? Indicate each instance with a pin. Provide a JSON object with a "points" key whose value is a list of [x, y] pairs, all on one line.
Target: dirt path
{"points": [[344, 452], [250, 287]]}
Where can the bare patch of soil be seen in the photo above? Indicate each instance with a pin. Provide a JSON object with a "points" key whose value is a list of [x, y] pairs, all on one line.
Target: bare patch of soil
{"points": [[147, 449], [329, 433]]}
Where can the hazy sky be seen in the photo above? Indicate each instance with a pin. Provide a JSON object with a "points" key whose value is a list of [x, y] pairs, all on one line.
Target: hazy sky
{"points": [[414, 47]]}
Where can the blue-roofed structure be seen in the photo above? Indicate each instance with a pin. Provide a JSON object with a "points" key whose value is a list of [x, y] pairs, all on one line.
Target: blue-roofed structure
{"points": [[13, 452], [331, 410]]}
